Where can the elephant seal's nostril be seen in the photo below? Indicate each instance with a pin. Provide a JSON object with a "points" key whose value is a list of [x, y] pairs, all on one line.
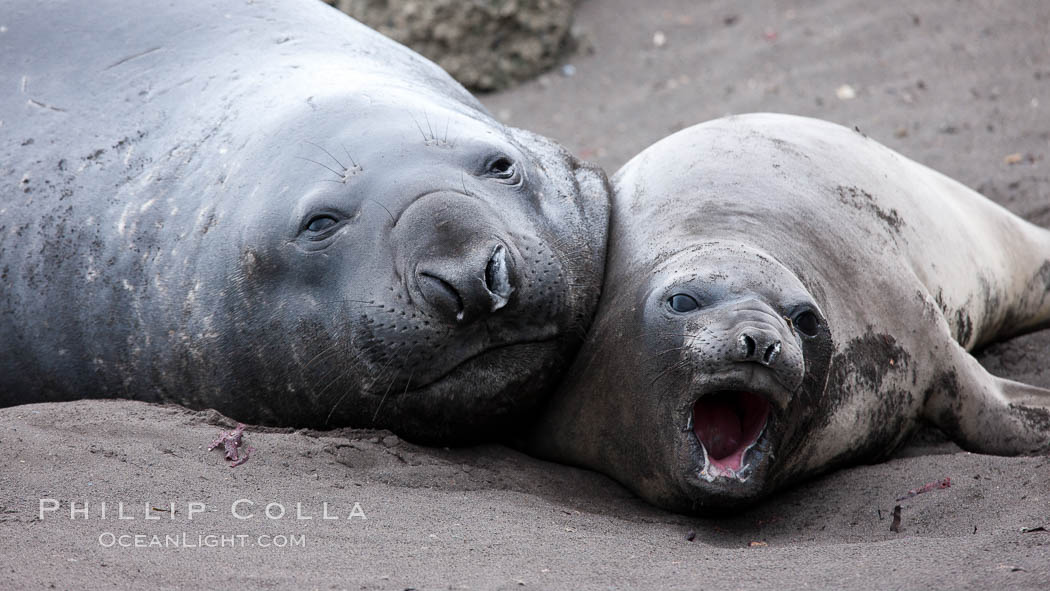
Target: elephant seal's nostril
{"points": [[771, 353], [497, 277], [442, 295]]}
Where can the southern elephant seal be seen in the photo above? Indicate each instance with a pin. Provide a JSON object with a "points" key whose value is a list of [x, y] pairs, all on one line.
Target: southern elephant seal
{"points": [[783, 296], [269, 209]]}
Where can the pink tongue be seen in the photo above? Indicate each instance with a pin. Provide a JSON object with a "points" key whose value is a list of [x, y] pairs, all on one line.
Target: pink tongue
{"points": [[719, 430]]}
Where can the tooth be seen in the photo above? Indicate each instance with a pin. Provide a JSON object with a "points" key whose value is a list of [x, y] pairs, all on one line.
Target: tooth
{"points": [[744, 473]]}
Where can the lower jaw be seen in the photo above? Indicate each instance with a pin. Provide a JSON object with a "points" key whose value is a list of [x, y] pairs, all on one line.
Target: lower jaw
{"points": [[486, 357], [479, 400], [712, 471], [710, 489], [716, 498]]}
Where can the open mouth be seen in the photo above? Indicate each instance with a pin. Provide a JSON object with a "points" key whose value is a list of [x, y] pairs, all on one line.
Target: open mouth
{"points": [[728, 424]]}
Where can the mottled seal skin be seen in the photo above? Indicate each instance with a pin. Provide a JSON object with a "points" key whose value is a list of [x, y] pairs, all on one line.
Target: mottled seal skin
{"points": [[269, 209], [784, 296]]}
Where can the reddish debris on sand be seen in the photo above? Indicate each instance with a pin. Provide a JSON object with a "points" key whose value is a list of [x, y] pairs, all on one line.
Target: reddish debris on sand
{"points": [[896, 525], [232, 442], [926, 488]]}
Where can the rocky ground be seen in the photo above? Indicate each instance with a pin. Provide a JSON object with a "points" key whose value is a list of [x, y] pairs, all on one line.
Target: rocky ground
{"points": [[485, 44]]}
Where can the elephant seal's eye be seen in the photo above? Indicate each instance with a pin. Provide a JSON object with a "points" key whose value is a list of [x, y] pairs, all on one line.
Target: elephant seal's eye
{"points": [[502, 168], [682, 303], [807, 323], [320, 223]]}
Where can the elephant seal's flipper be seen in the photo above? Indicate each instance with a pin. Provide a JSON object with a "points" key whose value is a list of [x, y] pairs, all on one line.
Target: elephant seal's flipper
{"points": [[987, 414]]}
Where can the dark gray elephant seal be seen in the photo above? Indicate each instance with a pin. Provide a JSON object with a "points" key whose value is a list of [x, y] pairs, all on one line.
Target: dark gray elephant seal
{"points": [[269, 209], [785, 295]]}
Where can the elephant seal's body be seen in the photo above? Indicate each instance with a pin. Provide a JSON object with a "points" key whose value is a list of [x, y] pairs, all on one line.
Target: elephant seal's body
{"points": [[269, 209], [785, 295]]}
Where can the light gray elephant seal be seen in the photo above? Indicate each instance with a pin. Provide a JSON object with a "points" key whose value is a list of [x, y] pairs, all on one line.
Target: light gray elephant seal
{"points": [[269, 209], [784, 296]]}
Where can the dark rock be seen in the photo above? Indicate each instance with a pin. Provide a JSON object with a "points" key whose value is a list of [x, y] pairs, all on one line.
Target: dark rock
{"points": [[485, 44]]}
